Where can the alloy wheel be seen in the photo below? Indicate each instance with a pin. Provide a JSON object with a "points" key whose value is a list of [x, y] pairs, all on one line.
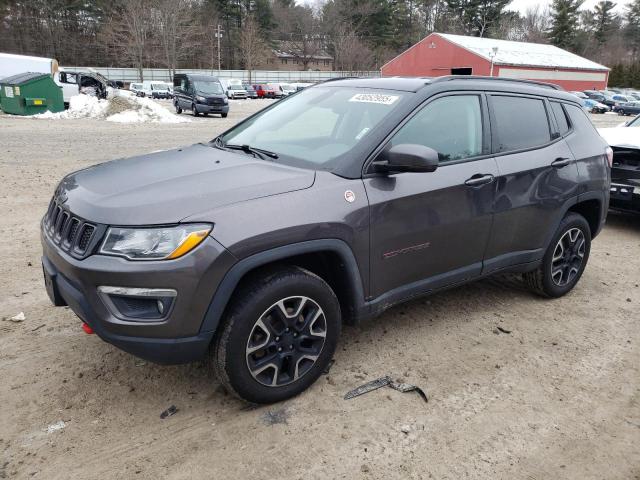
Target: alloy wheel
{"points": [[286, 341], [568, 256]]}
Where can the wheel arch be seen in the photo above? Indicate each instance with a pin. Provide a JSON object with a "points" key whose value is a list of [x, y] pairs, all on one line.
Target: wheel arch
{"points": [[591, 207], [331, 259]]}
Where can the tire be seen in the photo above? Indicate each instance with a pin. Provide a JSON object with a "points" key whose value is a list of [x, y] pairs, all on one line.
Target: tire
{"points": [[556, 277], [178, 109], [223, 115], [206, 114], [621, 113], [194, 110], [256, 320]]}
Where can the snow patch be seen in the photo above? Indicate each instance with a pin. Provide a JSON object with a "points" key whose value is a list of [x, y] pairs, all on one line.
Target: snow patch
{"points": [[54, 427], [120, 107]]}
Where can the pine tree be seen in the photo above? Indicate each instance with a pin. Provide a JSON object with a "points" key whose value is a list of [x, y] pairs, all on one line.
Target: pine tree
{"points": [[604, 20], [564, 22], [632, 30]]}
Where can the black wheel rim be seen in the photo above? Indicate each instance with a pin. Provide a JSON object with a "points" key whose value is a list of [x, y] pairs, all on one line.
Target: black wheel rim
{"points": [[286, 341], [568, 256]]}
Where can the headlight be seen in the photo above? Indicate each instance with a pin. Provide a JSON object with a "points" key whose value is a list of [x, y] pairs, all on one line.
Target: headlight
{"points": [[225, 100], [201, 99], [162, 243]]}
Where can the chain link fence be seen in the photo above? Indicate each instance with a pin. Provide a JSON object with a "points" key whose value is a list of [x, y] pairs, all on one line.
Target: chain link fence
{"points": [[128, 75]]}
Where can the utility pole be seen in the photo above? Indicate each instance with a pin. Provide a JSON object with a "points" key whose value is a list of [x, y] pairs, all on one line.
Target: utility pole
{"points": [[492, 55], [218, 37]]}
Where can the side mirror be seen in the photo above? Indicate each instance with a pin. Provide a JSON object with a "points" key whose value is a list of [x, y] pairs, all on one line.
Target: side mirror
{"points": [[407, 157]]}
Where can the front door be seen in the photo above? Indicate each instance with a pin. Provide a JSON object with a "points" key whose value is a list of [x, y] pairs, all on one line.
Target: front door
{"points": [[429, 230]]}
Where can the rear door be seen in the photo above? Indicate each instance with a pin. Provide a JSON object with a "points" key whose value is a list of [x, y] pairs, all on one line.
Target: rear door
{"points": [[431, 229], [538, 177]]}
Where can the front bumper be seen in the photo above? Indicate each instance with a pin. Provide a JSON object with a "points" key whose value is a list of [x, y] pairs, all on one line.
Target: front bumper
{"points": [[175, 339], [625, 197], [218, 108]]}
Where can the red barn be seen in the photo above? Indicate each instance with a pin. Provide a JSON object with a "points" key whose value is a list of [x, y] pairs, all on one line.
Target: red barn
{"points": [[442, 54]]}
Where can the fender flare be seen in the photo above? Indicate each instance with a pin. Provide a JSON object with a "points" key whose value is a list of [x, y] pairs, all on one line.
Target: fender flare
{"points": [[227, 286]]}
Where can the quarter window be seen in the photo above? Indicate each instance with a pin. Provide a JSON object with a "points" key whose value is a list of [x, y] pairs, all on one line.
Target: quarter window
{"points": [[561, 117], [520, 122], [452, 126]]}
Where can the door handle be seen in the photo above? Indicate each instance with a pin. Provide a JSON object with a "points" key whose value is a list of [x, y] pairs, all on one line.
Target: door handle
{"points": [[560, 162], [478, 180]]}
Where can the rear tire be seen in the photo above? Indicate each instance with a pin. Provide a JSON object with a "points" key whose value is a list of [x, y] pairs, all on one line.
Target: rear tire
{"points": [[224, 115], [565, 259], [278, 335]]}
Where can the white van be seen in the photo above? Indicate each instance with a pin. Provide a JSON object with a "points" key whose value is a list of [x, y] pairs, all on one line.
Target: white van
{"points": [[155, 89]]}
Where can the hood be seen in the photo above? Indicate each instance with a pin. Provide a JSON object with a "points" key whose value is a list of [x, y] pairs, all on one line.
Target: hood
{"points": [[165, 187], [621, 136]]}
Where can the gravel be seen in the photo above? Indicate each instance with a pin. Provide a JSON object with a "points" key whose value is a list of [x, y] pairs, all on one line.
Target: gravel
{"points": [[565, 402]]}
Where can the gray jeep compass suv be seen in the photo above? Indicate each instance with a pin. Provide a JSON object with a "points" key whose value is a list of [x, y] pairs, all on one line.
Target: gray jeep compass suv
{"points": [[326, 208]]}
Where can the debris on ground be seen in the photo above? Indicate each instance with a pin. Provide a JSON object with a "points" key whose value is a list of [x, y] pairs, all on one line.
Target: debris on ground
{"points": [[38, 327], [385, 381], [276, 417], [172, 410], [328, 367], [405, 429], [54, 427], [18, 318], [121, 107], [503, 330]]}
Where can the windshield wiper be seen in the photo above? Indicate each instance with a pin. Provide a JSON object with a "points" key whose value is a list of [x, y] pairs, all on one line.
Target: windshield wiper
{"points": [[245, 148], [249, 149]]}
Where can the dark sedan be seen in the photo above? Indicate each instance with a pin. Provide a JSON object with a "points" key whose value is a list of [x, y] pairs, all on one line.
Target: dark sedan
{"points": [[627, 108]]}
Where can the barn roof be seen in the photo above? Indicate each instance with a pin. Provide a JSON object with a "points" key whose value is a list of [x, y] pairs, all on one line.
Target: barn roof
{"points": [[522, 53]]}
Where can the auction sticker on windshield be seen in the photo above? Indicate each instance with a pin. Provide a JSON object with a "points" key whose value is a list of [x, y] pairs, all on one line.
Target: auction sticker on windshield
{"points": [[374, 98]]}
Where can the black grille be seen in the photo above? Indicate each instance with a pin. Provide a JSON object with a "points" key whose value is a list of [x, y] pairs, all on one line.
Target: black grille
{"points": [[70, 232], [85, 238], [215, 101]]}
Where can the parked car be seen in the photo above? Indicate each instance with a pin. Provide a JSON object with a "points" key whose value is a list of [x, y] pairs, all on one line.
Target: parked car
{"points": [[236, 91], [263, 91], [254, 249], [156, 89], [287, 89], [594, 107], [625, 173], [138, 89], [627, 108], [80, 82], [200, 94], [580, 95], [251, 92]]}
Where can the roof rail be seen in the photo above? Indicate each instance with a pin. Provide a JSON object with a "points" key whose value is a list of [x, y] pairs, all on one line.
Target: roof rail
{"points": [[447, 78]]}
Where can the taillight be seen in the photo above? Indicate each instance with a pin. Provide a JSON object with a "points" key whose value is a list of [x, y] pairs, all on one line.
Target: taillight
{"points": [[609, 152]]}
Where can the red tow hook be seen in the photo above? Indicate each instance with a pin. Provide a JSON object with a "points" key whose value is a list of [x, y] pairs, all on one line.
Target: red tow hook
{"points": [[87, 329]]}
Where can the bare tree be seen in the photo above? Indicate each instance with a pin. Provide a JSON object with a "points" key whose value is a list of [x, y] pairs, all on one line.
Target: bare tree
{"points": [[129, 30], [172, 22], [251, 44]]}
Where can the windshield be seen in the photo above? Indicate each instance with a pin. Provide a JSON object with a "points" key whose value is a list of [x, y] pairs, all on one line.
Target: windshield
{"points": [[235, 87], [318, 126], [208, 87], [158, 86]]}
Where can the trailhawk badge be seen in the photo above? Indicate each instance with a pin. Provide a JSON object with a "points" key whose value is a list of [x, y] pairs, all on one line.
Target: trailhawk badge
{"points": [[349, 196]]}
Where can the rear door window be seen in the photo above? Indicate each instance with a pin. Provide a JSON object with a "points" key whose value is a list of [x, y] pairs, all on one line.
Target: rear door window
{"points": [[519, 122], [561, 118]]}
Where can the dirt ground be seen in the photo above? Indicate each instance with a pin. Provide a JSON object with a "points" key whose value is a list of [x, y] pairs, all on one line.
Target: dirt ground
{"points": [[556, 398]]}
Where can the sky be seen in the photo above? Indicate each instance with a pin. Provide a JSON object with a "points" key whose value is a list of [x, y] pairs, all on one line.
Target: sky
{"points": [[523, 5]]}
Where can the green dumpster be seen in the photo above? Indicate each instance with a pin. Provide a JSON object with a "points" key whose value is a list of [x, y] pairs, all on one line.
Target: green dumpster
{"points": [[30, 93]]}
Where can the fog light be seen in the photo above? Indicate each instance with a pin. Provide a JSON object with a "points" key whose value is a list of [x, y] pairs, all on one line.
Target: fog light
{"points": [[138, 304]]}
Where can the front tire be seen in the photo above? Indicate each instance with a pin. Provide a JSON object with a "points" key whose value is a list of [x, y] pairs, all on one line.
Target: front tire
{"points": [[565, 259], [223, 115], [178, 109], [194, 110], [278, 336]]}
